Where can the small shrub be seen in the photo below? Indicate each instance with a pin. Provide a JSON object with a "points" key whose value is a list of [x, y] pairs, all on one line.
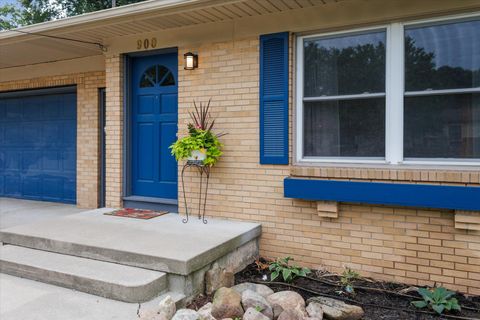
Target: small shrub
{"points": [[282, 267], [347, 278], [439, 299]]}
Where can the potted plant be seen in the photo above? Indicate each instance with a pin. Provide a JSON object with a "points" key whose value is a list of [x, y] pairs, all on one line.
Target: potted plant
{"points": [[201, 144]]}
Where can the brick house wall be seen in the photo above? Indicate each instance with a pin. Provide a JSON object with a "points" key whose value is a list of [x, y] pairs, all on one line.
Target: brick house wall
{"points": [[114, 131], [415, 246], [88, 152]]}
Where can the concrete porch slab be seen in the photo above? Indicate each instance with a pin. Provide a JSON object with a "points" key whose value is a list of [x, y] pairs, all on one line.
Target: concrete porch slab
{"points": [[163, 244], [14, 212]]}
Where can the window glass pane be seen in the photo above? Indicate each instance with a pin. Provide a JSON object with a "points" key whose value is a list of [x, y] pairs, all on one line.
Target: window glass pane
{"points": [[442, 126], [169, 80], [348, 128], [443, 56], [351, 64], [162, 71], [148, 78]]}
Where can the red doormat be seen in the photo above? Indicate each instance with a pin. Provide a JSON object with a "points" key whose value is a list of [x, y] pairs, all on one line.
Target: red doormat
{"points": [[136, 213]]}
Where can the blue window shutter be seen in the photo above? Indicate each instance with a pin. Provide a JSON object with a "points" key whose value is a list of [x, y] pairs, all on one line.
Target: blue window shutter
{"points": [[274, 98]]}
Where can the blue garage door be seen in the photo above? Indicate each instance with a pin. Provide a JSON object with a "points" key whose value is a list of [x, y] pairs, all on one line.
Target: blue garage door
{"points": [[38, 145]]}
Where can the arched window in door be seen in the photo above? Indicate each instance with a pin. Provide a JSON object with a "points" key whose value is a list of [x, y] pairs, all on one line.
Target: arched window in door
{"points": [[157, 75]]}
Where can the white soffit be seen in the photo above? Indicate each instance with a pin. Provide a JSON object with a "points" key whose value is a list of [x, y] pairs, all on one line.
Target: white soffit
{"points": [[18, 48]]}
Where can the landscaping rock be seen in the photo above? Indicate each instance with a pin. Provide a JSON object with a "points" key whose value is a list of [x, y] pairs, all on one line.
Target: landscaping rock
{"points": [[292, 314], [253, 314], [285, 300], [338, 310], [261, 289], [205, 312], [251, 299], [227, 303], [186, 314], [217, 277], [314, 310], [151, 315], [167, 307]]}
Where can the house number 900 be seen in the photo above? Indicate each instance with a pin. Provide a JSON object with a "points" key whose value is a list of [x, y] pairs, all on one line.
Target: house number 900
{"points": [[146, 43]]}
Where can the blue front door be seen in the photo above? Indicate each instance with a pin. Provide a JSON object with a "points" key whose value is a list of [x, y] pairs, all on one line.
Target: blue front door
{"points": [[154, 125]]}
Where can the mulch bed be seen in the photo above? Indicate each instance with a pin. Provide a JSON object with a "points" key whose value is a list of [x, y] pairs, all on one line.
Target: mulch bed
{"points": [[379, 302]]}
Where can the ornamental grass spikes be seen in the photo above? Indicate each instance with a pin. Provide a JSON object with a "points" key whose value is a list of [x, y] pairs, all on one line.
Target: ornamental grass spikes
{"points": [[201, 119], [201, 116]]}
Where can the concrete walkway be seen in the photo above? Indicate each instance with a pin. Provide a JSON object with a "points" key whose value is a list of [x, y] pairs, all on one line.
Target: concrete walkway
{"points": [[14, 212], [26, 299]]}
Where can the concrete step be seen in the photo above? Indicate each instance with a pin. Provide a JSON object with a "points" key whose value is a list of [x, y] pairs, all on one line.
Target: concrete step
{"points": [[105, 279], [163, 244]]}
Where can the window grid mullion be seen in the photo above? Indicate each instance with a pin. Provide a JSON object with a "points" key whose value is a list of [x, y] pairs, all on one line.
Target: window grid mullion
{"points": [[441, 92], [345, 97], [394, 94]]}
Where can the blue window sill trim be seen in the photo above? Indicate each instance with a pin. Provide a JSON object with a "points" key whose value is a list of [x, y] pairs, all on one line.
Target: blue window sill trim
{"points": [[398, 194]]}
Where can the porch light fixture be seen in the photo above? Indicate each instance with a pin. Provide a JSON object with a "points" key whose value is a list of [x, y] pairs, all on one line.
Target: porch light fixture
{"points": [[191, 61]]}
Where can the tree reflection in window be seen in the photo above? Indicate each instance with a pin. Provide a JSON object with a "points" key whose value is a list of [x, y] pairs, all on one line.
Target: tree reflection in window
{"points": [[157, 75]]}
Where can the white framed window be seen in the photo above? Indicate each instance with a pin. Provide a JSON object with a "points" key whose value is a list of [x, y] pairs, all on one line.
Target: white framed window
{"points": [[398, 93]]}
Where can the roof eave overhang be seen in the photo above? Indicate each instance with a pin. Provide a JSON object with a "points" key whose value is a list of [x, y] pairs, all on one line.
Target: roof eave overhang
{"points": [[150, 7]]}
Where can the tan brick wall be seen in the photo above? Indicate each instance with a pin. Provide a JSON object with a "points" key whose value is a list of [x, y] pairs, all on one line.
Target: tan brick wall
{"points": [[398, 244], [114, 131], [87, 127]]}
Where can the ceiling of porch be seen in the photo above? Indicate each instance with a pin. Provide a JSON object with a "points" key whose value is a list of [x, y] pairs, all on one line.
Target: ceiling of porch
{"points": [[31, 44]]}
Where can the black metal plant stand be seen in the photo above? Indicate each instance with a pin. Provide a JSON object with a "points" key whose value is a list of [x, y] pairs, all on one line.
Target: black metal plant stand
{"points": [[203, 170]]}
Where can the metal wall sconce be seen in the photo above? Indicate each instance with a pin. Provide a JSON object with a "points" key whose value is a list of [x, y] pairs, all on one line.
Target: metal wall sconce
{"points": [[191, 61]]}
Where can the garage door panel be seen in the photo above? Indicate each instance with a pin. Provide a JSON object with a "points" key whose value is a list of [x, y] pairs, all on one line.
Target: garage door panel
{"points": [[2, 111], [13, 185], [31, 132], [32, 109], [70, 190], [13, 160], [69, 159], [2, 161], [38, 147], [13, 110], [12, 133], [53, 188], [70, 113], [51, 161], [69, 133], [54, 110], [31, 187], [32, 161], [52, 134]]}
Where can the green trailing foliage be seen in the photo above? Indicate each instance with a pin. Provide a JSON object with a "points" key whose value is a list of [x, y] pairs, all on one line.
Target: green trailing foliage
{"points": [[201, 140], [439, 299], [347, 278], [200, 137], [281, 267]]}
